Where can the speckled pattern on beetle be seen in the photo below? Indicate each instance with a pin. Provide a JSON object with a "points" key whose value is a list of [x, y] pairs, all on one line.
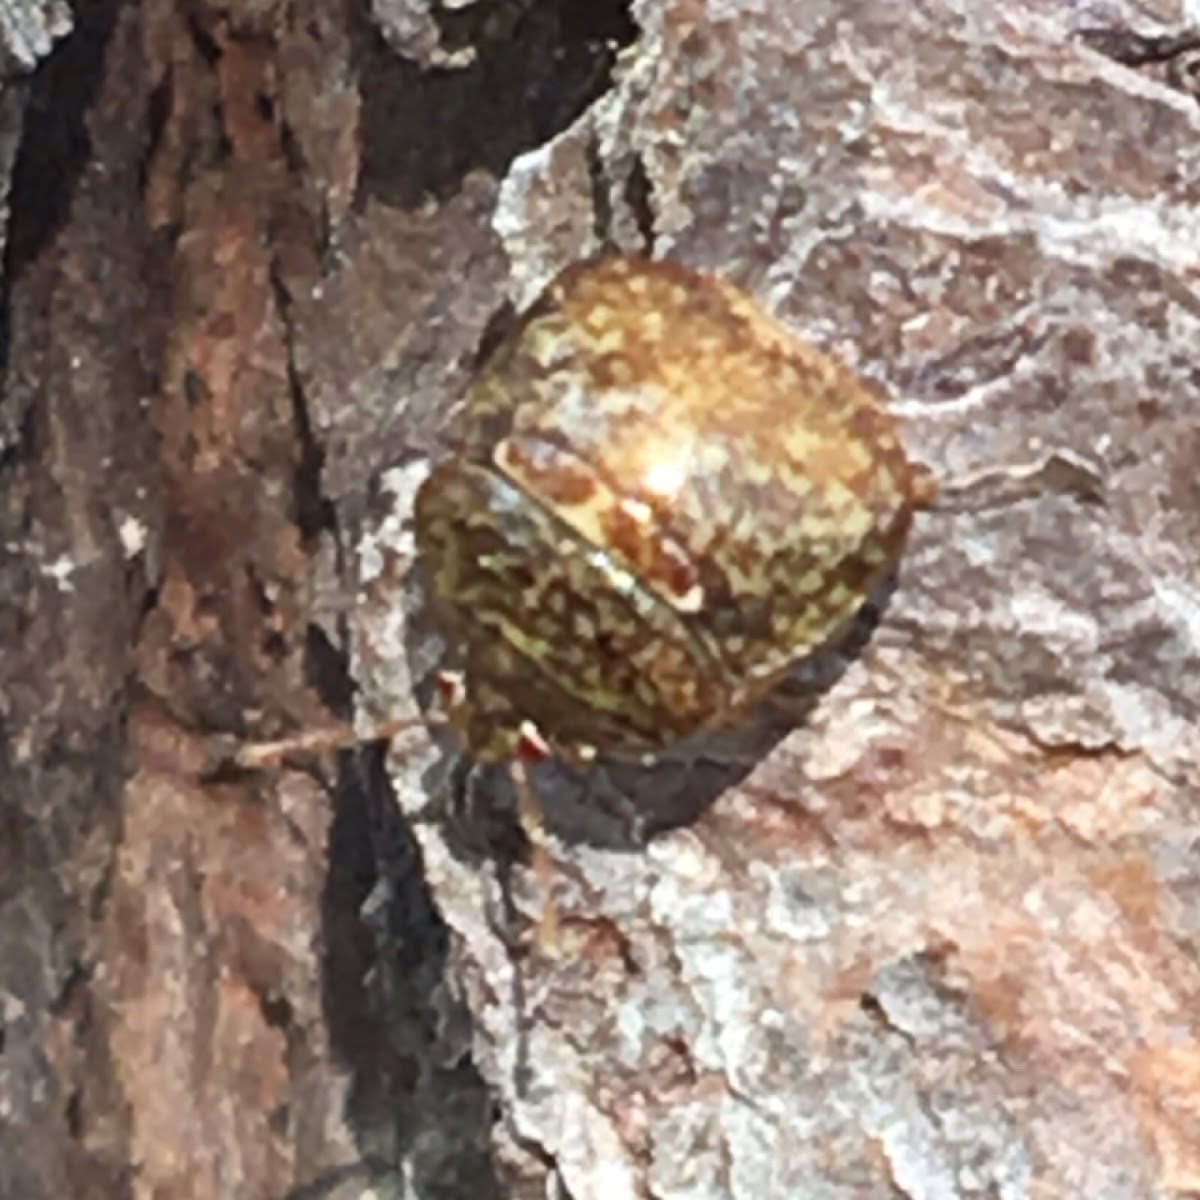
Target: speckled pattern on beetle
{"points": [[659, 500]]}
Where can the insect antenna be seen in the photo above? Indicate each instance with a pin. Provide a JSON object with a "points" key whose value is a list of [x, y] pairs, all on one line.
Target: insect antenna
{"points": [[261, 756]]}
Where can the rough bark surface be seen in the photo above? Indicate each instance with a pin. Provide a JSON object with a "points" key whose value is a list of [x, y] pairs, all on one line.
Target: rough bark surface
{"points": [[927, 927], [938, 938]]}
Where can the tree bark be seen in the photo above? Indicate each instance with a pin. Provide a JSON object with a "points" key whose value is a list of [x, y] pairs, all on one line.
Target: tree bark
{"points": [[923, 926]]}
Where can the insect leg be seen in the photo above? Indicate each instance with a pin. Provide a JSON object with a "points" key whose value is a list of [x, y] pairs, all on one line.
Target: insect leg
{"points": [[529, 812]]}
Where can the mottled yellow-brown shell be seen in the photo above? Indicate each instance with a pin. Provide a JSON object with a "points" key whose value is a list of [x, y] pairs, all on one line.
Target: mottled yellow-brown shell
{"points": [[659, 500]]}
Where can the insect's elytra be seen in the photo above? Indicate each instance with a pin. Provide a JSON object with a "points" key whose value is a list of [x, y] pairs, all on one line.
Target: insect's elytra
{"points": [[659, 499]]}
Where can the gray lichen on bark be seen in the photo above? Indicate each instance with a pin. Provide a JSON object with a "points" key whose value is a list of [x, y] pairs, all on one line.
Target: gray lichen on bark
{"points": [[911, 950]]}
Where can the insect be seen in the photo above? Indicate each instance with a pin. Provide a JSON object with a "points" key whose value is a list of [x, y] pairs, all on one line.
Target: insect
{"points": [[658, 501]]}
